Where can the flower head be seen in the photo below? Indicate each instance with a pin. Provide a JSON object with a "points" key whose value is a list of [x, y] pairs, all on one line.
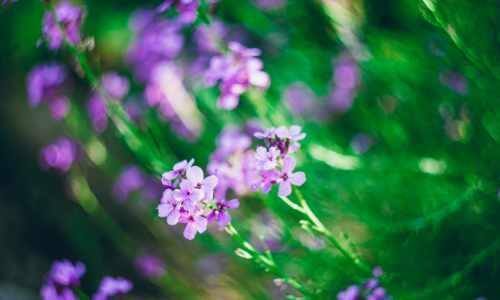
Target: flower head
{"points": [[236, 72], [187, 9], [112, 287], [45, 84], [63, 277], [60, 155], [189, 199], [369, 290], [150, 266], [62, 24]]}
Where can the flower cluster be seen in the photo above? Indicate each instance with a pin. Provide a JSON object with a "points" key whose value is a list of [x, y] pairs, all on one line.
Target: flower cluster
{"points": [[110, 287], [156, 41], [116, 88], [64, 277], [61, 280], [62, 24], [370, 290], [60, 155], [346, 80], [273, 161], [235, 72], [189, 199], [45, 84], [232, 161]]}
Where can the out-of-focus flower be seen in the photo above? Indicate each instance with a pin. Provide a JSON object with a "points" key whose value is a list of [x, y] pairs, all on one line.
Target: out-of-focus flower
{"points": [[60, 155], [156, 41], [116, 87], [232, 162], [150, 266], [62, 24], [166, 91], [45, 84], [302, 102], [369, 290], [110, 287], [454, 81], [209, 38], [236, 71], [270, 4], [63, 277], [187, 9], [346, 81]]}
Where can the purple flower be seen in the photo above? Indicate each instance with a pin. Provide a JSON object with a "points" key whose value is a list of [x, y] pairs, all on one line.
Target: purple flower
{"points": [[60, 155], [156, 41], [287, 178], [169, 208], [112, 287], [287, 140], [302, 102], [130, 180], [116, 87], [178, 171], [187, 9], [195, 223], [45, 84], [63, 24], [220, 213], [188, 193], [267, 159], [370, 290], [209, 38], [61, 280], [351, 293], [346, 81], [150, 266], [236, 71]]}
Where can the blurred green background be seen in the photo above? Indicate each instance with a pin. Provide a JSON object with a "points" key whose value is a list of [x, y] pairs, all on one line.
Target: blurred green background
{"points": [[422, 201]]}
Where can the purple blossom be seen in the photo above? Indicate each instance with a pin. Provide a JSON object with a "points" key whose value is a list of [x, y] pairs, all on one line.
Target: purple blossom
{"points": [[195, 223], [150, 266], [273, 162], [267, 159], [45, 84], [110, 287], [236, 72], [130, 180], [62, 24], [232, 162], [60, 155], [302, 102], [63, 277], [220, 213], [346, 81], [187, 9], [288, 178], [189, 199], [209, 38], [369, 290], [156, 41]]}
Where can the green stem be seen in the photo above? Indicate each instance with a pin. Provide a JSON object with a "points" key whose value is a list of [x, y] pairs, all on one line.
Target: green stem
{"points": [[265, 261], [320, 228]]}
